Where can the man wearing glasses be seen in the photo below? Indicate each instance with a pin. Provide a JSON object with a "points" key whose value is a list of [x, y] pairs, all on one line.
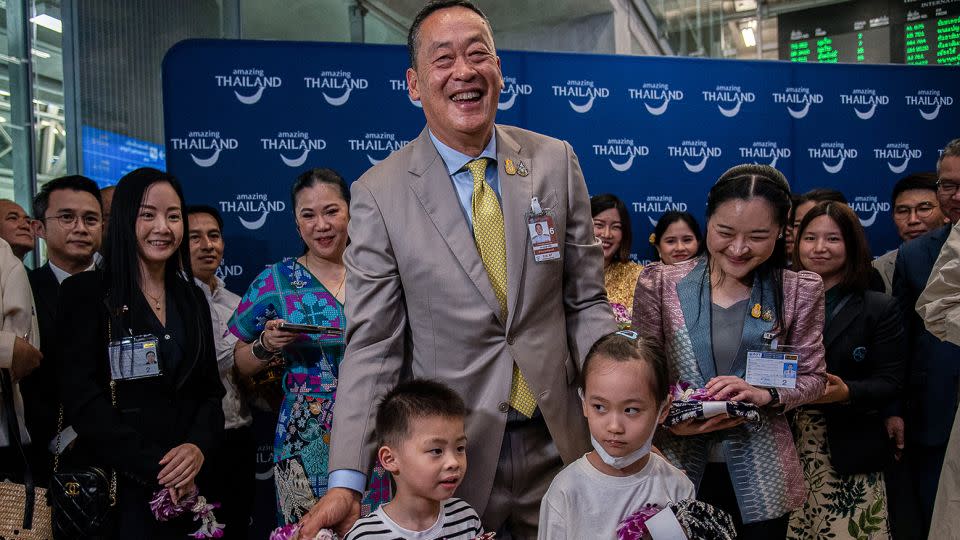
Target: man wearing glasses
{"points": [[916, 211], [69, 220], [933, 367]]}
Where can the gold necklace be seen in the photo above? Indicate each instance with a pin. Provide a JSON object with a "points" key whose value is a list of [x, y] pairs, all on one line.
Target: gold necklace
{"points": [[306, 260], [156, 299]]}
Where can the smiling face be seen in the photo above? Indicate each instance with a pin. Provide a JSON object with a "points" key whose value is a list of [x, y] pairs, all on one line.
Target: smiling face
{"points": [[159, 225], [206, 246], [71, 245], [322, 216], [822, 250], [609, 229], [619, 404], [457, 78], [678, 243], [429, 463], [741, 235]]}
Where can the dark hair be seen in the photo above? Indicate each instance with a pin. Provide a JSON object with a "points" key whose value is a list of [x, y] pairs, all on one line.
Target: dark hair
{"points": [[820, 195], [668, 219], [74, 182], [313, 177], [857, 269], [120, 253], [627, 346], [606, 201], [745, 182], [413, 400], [921, 180], [206, 209], [413, 36]]}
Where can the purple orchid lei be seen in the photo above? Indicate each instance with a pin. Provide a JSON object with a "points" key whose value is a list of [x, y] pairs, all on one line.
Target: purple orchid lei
{"points": [[292, 532], [621, 314], [634, 527], [684, 391], [164, 509]]}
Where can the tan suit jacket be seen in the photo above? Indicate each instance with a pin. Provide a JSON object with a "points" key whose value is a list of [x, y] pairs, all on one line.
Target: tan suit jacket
{"points": [[419, 302], [19, 318], [939, 306]]}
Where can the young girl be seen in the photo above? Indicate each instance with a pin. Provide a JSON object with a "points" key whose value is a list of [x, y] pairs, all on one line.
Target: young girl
{"points": [[625, 391]]}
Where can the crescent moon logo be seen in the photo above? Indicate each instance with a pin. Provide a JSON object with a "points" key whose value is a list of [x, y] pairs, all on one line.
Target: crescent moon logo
{"points": [[265, 475], [373, 161], [698, 167], [582, 108], [255, 224], [866, 115], [506, 105], [336, 102], [801, 113], [932, 115], [415, 103], [730, 113], [249, 100], [897, 169], [834, 169], [660, 109], [652, 221], [623, 167], [869, 221], [774, 162], [296, 162], [209, 162]]}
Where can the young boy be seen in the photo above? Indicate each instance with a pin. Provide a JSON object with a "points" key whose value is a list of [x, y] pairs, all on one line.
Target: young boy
{"points": [[423, 445]]}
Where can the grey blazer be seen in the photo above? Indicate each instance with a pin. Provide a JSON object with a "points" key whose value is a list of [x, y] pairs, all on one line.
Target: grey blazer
{"points": [[419, 302]]}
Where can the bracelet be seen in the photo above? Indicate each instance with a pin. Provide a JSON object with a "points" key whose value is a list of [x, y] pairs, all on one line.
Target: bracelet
{"points": [[261, 352]]}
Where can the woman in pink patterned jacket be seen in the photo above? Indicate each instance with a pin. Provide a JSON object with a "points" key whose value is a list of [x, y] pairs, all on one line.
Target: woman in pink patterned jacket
{"points": [[711, 311]]}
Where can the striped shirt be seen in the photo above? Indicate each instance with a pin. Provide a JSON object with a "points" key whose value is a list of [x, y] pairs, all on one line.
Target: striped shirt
{"points": [[457, 521]]}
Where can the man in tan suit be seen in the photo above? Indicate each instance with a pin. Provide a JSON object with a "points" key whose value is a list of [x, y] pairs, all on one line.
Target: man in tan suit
{"points": [[430, 295]]}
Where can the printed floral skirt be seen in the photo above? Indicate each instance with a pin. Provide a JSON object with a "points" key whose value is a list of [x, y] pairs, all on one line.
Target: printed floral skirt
{"points": [[837, 506]]}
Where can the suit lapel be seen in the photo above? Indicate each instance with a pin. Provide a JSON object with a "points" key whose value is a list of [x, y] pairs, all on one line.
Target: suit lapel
{"points": [[842, 320], [515, 192], [694, 294], [48, 292], [432, 185], [755, 327]]}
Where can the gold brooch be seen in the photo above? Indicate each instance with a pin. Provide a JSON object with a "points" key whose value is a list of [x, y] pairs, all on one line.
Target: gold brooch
{"points": [[509, 167], [756, 311], [653, 238]]}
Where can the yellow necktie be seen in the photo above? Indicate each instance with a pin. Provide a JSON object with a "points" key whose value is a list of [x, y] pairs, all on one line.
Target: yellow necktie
{"points": [[491, 243]]}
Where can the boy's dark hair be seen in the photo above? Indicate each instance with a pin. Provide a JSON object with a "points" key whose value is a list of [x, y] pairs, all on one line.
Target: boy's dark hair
{"points": [[206, 209], [626, 346], [413, 399], [73, 182], [413, 36]]}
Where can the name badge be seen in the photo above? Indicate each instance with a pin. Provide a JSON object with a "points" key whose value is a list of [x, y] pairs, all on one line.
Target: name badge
{"points": [[772, 369], [543, 236], [136, 357]]}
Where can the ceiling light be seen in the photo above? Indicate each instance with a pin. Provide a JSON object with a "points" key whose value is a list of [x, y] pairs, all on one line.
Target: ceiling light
{"points": [[744, 5], [48, 21], [749, 39]]}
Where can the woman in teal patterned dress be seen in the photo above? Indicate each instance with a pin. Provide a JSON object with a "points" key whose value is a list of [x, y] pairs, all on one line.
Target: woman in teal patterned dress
{"points": [[304, 290]]}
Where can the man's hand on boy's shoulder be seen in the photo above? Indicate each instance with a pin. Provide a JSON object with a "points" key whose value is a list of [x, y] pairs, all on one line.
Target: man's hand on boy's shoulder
{"points": [[338, 509]]}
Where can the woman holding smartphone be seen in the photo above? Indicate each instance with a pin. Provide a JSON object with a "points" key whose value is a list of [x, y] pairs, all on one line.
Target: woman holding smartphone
{"points": [[305, 290]]}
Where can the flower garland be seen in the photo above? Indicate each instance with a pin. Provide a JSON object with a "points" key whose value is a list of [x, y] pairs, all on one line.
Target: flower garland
{"points": [[164, 509]]}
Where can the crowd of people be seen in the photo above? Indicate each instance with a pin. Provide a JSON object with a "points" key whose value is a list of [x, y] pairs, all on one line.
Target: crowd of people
{"points": [[766, 377]]}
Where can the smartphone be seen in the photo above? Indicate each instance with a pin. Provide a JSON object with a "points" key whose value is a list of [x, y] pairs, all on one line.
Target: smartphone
{"points": [[310, 329]]}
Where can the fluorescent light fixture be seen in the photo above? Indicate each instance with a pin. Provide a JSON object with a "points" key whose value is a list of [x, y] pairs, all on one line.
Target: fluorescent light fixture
{"points": [[744, 5], [749, 38], [47, 21], [40, 54]]}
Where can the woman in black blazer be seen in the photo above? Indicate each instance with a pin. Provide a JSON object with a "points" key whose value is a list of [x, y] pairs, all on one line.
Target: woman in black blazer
{"points": [[163, 424], [841, 438]]}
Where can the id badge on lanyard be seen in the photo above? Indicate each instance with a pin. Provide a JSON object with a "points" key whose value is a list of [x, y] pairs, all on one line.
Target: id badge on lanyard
{"points": [[543, 235], [136, 357]]}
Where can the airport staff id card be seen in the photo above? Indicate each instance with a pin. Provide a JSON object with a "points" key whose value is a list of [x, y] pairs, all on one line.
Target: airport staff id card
{"points": [[772, 369], [134, 358]]}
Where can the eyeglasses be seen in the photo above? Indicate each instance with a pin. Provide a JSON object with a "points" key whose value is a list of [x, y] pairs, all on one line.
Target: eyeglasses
{"points": [[67, 221], [923, 210], [947, 188]]}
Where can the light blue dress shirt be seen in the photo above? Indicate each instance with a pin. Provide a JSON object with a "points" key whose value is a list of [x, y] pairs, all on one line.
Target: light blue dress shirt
{"points": [[456, 163]]}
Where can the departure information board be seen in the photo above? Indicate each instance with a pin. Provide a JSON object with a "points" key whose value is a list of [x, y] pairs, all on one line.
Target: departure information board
{"points": [[932, 35]]}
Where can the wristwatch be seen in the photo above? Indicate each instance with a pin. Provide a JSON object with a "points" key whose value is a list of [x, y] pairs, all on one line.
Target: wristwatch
{"points": [[774, 397]]}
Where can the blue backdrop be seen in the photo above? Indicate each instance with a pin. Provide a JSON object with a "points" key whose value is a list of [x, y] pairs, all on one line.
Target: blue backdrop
{"points": [[244, 118]]}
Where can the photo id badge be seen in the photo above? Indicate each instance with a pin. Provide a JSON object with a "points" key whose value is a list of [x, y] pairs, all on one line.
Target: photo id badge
{"points": [[135, 357], [543, 237], [772, 369]]}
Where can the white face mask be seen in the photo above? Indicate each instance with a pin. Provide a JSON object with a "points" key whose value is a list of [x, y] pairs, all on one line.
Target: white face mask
{"points": [[623, 462]]}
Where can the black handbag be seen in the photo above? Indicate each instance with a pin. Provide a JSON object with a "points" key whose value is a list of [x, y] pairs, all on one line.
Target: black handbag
{"points": [[83, 498]]}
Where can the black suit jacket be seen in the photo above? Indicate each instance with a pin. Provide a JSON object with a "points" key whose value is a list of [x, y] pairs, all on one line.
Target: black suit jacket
{"points": [[865, 346], [41, 404], [933, 365], [152, 415]]}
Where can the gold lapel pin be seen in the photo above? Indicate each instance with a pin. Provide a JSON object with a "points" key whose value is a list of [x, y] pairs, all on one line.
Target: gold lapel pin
{"points": [[509, 167], [767, 316], [756, 312], [522, 169]]}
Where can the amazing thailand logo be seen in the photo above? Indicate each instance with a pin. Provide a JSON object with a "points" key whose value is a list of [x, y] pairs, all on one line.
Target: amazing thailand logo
{"points": [[620, 153], [581, 94], [336, 86], [656, 97], [293, 147], [205, 147], [248, 84]]}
